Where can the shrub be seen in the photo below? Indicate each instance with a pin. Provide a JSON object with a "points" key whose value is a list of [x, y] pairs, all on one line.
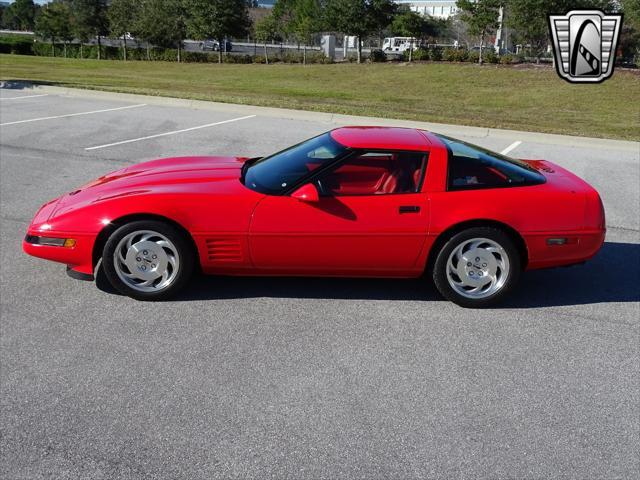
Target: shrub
{"points": [[454, 55], [291, 57], [164, 54], [197, 57], [489, 56], [42, 49], [317, 57], [435, 54], [236, 59], [377, 56], [421, 54], [506, 59], [510, 58], [473, 57], [418, 54], [16, 44]]}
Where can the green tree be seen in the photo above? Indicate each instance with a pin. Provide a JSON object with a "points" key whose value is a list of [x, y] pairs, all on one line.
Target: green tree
{"points": [[163, 23], [630, 32], [266, 29], [409, 24], [123, 15], [360, 18], [54, 23], [299, 19], [90, 20], [218, 19], [481, 17], [20, 15], [528, 18]]}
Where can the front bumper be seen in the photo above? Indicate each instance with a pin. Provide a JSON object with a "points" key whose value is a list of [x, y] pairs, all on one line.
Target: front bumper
{"points": [[79, 257]]}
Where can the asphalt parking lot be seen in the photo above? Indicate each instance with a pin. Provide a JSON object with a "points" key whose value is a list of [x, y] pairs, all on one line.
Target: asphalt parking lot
{"points": [[303, 378]]}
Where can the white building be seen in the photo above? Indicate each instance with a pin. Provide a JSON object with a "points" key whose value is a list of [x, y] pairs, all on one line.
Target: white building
{"points": [[434, 8]]}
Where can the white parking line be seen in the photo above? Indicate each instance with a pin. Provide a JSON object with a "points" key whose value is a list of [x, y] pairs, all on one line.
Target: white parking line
{"points": [[169, 133], [511, 147], [73, 114], [24, 96]]}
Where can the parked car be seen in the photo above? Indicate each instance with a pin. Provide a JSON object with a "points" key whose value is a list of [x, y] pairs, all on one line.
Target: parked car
{"points": [[353, 202], [214, 46]]}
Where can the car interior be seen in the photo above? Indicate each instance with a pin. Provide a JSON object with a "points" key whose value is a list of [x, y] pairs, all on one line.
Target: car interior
{"points": [[374, 173]]}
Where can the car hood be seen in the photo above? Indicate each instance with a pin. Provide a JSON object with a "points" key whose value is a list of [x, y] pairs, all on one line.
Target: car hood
{"points": [[169, 175]]}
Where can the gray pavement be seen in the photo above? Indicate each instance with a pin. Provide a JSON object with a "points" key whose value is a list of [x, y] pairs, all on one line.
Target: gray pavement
{"points": [[304, 378]]}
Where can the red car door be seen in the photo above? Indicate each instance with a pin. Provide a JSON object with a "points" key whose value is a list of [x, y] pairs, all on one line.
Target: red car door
{"points": [[369, 220]]}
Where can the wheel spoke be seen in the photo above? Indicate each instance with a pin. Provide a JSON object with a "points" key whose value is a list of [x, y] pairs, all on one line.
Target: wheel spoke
{"points": [[145, 237], [474, 244]]}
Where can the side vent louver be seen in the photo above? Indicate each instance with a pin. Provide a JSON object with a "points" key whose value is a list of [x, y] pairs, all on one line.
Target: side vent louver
{"points": [[224, 250]]}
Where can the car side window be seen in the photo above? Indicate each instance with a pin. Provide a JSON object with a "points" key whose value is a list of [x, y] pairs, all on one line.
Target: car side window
{"points": [[375, 173], [467, 172], [471, 167]]}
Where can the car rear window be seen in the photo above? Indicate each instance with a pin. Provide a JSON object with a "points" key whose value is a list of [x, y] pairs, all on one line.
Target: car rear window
{"points": [[472, 167]]}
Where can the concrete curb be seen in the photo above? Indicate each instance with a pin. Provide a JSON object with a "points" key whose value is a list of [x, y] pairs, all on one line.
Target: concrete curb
{"points": [[339, 119]]}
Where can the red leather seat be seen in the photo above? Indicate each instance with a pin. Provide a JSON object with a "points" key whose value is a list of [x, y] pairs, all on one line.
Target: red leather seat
{"points": [[416, 178], [391, 183]]}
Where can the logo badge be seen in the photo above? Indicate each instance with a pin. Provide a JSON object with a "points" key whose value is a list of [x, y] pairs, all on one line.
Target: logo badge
{"points": [[584, 44]]}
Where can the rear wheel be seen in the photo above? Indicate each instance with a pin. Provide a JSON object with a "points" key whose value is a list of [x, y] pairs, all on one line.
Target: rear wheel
{"points": [[148, 260], [477, 267]]}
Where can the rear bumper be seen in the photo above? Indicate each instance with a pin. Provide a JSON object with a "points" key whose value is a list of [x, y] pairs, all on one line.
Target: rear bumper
{"points": [[79, 258], [580, 246]]}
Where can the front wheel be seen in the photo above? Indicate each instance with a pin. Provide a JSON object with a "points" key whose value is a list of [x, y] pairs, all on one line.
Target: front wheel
{"points": [[477, 267], [148, 260]]}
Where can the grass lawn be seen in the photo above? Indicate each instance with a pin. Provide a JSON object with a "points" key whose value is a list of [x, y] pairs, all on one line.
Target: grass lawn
{"points": [[529, 98]]}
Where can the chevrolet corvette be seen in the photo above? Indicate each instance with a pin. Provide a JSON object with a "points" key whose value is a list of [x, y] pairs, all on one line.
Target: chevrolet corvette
{"points": [[352, 202]]}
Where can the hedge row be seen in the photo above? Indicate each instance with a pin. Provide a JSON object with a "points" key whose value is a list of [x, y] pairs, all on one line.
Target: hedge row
{"points": [[449, 55], [74, 50], [16, 45], [26, 46]]}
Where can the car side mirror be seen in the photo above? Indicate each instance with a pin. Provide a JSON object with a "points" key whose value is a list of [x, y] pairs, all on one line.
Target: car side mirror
{"points": [[307, 193]]}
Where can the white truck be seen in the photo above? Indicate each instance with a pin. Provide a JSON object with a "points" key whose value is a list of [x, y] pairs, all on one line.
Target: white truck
{"points": [[398, 45]]}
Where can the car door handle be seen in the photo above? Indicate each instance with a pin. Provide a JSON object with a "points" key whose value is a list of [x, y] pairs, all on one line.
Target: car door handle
{"points": [[409, 209]]}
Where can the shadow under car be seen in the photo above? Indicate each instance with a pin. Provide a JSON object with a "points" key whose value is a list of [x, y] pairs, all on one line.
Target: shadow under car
{"points": [[613, 275]]}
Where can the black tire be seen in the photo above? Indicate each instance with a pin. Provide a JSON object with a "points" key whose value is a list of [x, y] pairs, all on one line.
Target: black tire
{"points": [[184, 251], [496, 235]]}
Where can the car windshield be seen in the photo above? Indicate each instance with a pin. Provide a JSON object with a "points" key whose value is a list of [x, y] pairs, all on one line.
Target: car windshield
{"points": [[277, 173], [467, 163]]}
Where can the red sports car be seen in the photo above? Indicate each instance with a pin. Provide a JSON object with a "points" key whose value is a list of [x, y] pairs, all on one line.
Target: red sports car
{"points": [[353, 202]]}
